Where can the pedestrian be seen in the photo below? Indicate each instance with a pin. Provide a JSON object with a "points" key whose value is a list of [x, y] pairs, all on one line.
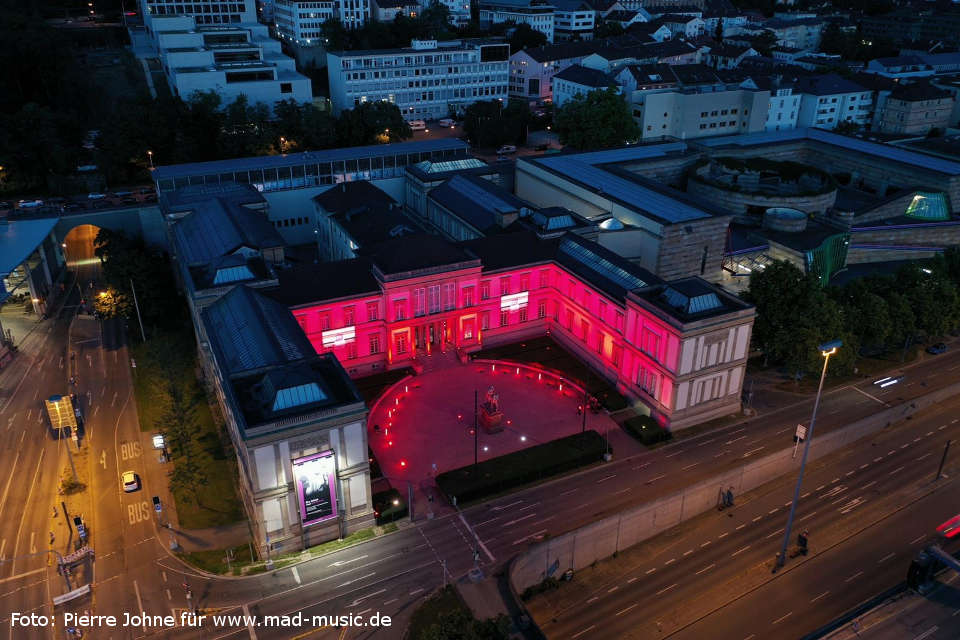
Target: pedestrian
{"points": [[52, 537]]}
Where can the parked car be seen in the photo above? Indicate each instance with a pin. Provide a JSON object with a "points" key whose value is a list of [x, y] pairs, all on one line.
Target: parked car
{"points": [[418, 125], [937, 349], [96, 196], [120, 194], [6, 205], [71, 206], [507, 148], [30, 204], [130, 481], [447, 122]]}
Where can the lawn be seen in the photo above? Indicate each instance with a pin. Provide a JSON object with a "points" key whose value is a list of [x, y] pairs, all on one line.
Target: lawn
{"points": [[547, 353], [444, 615], [173, 356]]}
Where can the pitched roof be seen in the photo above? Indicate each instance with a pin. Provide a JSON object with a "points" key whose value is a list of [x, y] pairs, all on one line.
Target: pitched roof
{"points": [[918, 91], [585, 76], [412, 253], [827, 85], [564, 50], [307, 283], [216, 228], [476, 201], [351, 195]]}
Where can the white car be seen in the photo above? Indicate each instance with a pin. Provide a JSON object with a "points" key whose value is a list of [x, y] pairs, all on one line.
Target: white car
{"points": [[447, 122], [130, 481], [418, 125], [507, 148], [30, 204], [95, 196]]}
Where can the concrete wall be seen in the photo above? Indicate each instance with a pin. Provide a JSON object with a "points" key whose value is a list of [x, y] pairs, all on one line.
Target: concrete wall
{"points": [[737, 201], [598, 540]]}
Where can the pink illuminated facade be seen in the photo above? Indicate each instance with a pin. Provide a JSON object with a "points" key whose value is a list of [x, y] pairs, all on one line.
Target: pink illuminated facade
{"points": [[677, 348]]}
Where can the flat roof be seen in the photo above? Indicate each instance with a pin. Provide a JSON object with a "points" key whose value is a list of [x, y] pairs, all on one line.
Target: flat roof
{"points": [[168, 172], [18, 239]]}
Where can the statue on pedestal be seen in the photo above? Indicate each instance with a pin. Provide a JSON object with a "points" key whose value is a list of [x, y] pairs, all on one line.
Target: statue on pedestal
{"points": [[490, 414]]}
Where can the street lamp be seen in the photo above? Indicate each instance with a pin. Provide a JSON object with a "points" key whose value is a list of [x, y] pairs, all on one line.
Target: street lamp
{"points": [[150, 157], [283, 143], [826, 350]]}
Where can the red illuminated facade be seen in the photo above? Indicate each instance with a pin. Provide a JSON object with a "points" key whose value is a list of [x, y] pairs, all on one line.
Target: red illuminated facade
{"points": [[686, 367]]}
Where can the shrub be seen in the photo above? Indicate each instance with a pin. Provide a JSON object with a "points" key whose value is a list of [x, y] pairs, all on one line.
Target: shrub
{"points": [[647, 430], [385, 509], [548, 584]]}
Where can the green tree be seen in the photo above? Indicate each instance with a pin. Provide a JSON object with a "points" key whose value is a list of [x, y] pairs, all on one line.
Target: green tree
{"points": [[607, 29], [112, 304], [765, 42], [489, 123], [718, 34], [367, 122], [599, 119], [866, 314], [526, 37]]}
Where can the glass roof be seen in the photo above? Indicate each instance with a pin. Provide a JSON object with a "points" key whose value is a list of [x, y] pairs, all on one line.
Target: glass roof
{"points": [[233, 274], [691, 305], [450, 165], [604, 267], [298, 396]]}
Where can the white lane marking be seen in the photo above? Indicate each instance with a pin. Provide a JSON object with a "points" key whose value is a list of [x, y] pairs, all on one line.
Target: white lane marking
{"points": [[649, 571], [529, 515], [868, 395], [819, 596], [340, 563], [734, 440], [772, 511], [532, 535], [580, 633], [566, 493], [296, 574], [723, 535], [926, 634], [690, 466], [612, 589], [705, 569], [809, 515], [775, 533], [854, 576], [169, 597], [897, 470], [752, 451], [632, 580], [778, 620], [926, 455], [605, 478], [878, 459], [674, 454], [249, 619], [739, 551], [363, 577], [136, 590], [864, 466], [652, 480], [594, 598], [886, 557], [663, 591], [635, 604], [686, 553], [917, 539], [807, 494], [416, 591], [390, 601], [507, 506], [758, 518], [357, 601], [616, 493], [705, 544], [670, 561], [741, 527], [869, 484]]}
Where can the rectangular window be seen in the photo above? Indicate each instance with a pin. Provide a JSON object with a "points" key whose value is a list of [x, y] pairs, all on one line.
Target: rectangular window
{"points": [[324, 321], [286, 87], [485, 320], [651, 344], [374, 345], [485, 290], [402, 343], [449, 296], [568, 320], [468, 296], [505, 286], [433, 298], [542, 309], [352, 351], [525, 282], [373, 311], [602, 310], [504, 318], [348, 317], [523, 314], [400, 310], [616, 355], [419, 302], [544, 279]]}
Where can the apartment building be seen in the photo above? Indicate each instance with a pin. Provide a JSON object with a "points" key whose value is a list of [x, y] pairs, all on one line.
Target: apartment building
{"points": [[426, 81], [221, 48], [831, 99], [299, 22], [913, 109], [576, 81], [538, 14], [532, 70], [573, 20], [783, 107]]}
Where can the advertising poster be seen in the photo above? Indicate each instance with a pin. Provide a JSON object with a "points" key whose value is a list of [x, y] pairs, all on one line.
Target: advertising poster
{"points": [[316, 477]]}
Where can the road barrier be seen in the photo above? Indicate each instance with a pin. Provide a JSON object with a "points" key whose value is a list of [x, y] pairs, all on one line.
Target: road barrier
{"points": [[71, 595]]}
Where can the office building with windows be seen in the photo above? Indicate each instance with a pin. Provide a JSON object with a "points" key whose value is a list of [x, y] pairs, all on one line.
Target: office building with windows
{"points": [[538, 14], [830, 99], [300, 22], [221, 48], [427, 81]]}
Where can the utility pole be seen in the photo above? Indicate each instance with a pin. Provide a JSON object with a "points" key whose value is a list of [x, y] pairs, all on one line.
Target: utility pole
{"points": [[943, 460], [476, 427], [137, 306]]}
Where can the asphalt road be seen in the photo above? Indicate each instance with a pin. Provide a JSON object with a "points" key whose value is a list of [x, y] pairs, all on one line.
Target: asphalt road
{"points": [[868, 513]]}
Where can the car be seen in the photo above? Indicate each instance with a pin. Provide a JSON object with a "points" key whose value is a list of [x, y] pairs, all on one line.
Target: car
{"points": [[120, 194], [418, 125], [71, 206], [507, 148], [96, 196], [6, 205], [937, 349], [30, 204], [130, 481], [447, 122]]}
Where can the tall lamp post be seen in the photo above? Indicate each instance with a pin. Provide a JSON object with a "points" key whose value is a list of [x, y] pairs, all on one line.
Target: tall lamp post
{"points": [[826, 350], [150, 157]]}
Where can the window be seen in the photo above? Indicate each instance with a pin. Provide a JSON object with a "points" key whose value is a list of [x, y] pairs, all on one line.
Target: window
{"points": [[485, 320], [523, 314], [525, 282], [374, 344], [419, 302], [324, 321], [584, 330], [568, 320], [544, 279], [433, 298], [468, 296], [373, 311], [647, 380], [400, 310], [352, 351], [616, 355], [286, 87], [485, 290], [402, 343], [651, 343], [602, 310], [348, 317], [449, 296], [542, 309], [504, 318], [619, 324], [600, 341], [505, 286]]}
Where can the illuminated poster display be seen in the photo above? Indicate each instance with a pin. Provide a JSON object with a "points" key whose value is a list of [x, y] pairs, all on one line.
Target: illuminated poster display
{"points": [[514, 302], [338, 337], [316, 478]]}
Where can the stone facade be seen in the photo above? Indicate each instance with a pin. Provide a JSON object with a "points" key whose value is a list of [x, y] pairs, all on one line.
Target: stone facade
{"points": [[739, 202], [693, 249]]}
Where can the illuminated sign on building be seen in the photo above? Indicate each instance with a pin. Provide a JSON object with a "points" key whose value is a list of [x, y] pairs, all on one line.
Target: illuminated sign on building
{"points": [[514, 302], [316, 478], [338, 337]]}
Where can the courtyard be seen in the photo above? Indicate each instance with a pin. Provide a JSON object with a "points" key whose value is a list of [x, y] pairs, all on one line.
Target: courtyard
{"points": [[423, 425]]}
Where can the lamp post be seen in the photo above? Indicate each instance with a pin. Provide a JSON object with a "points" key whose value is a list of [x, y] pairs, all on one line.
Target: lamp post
{"points": [[826, 350], [283, 144], [150, 158]]}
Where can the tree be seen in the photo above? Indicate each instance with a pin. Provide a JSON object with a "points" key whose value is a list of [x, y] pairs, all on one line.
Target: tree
{"points": [[526, 37], [718, 34], [111, 303], [368, 121], [599, 119], [489, 123], [847, 127], [607, 29], [765, 42]]}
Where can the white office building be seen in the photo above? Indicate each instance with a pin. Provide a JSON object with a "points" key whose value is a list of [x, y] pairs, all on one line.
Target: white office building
{"points": [[221, 48], [830, 99], [573, 20], [300, 22], [539, 14], [426, 81]]}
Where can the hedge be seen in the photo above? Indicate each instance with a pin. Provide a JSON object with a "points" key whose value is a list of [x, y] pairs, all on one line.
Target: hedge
{"points": [[384, 508], [647, 430], [522, 467]]}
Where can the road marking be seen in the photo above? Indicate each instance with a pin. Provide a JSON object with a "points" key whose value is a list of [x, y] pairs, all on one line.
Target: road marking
{"points": [[810, 515], [566, 493], [926, 455], [706, 442], [820, 487], [690, 466], [169, 597], [640, 466], [529, 515], [705, 569], [296, 574], [850, 473], [33, 546], [783, 618], [362, 598], [777, 532], [822, 595], [580, 633], [878, 459], [898, 469], [917, 539], [621, 491], [929, 433], [835, 480], [853, 504], [722, 453], [917, 439], [885, 558], [674, 454], [390, 601], [741, 527], [782, 430], [663, 591], [926, 634], [605, 478], [686, 553], [612, 589], [594, 598], [363, 577], [632, 580], [416, 591], [620, 613], [249, 619], [480, 524], [532, 535], [3, 543], [649, 571], [705, 544], [758, 518], [476, 537], [670, 561], [771, 512], [805, 495], [905, 445], [652, 480], [136, 590], [3, 501], [854, 576], [723, 535], [734, 440], [739, 551], [869, 484], [752, 451], [864, 466]]}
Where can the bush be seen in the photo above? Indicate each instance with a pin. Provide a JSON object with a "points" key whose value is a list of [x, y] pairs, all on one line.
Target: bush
{"points": [[647, 430], [521, 467], [548, 584], [385, 509]]}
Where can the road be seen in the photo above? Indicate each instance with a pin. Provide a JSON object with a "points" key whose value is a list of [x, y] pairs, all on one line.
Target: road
{"points": [[868, 512]]}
